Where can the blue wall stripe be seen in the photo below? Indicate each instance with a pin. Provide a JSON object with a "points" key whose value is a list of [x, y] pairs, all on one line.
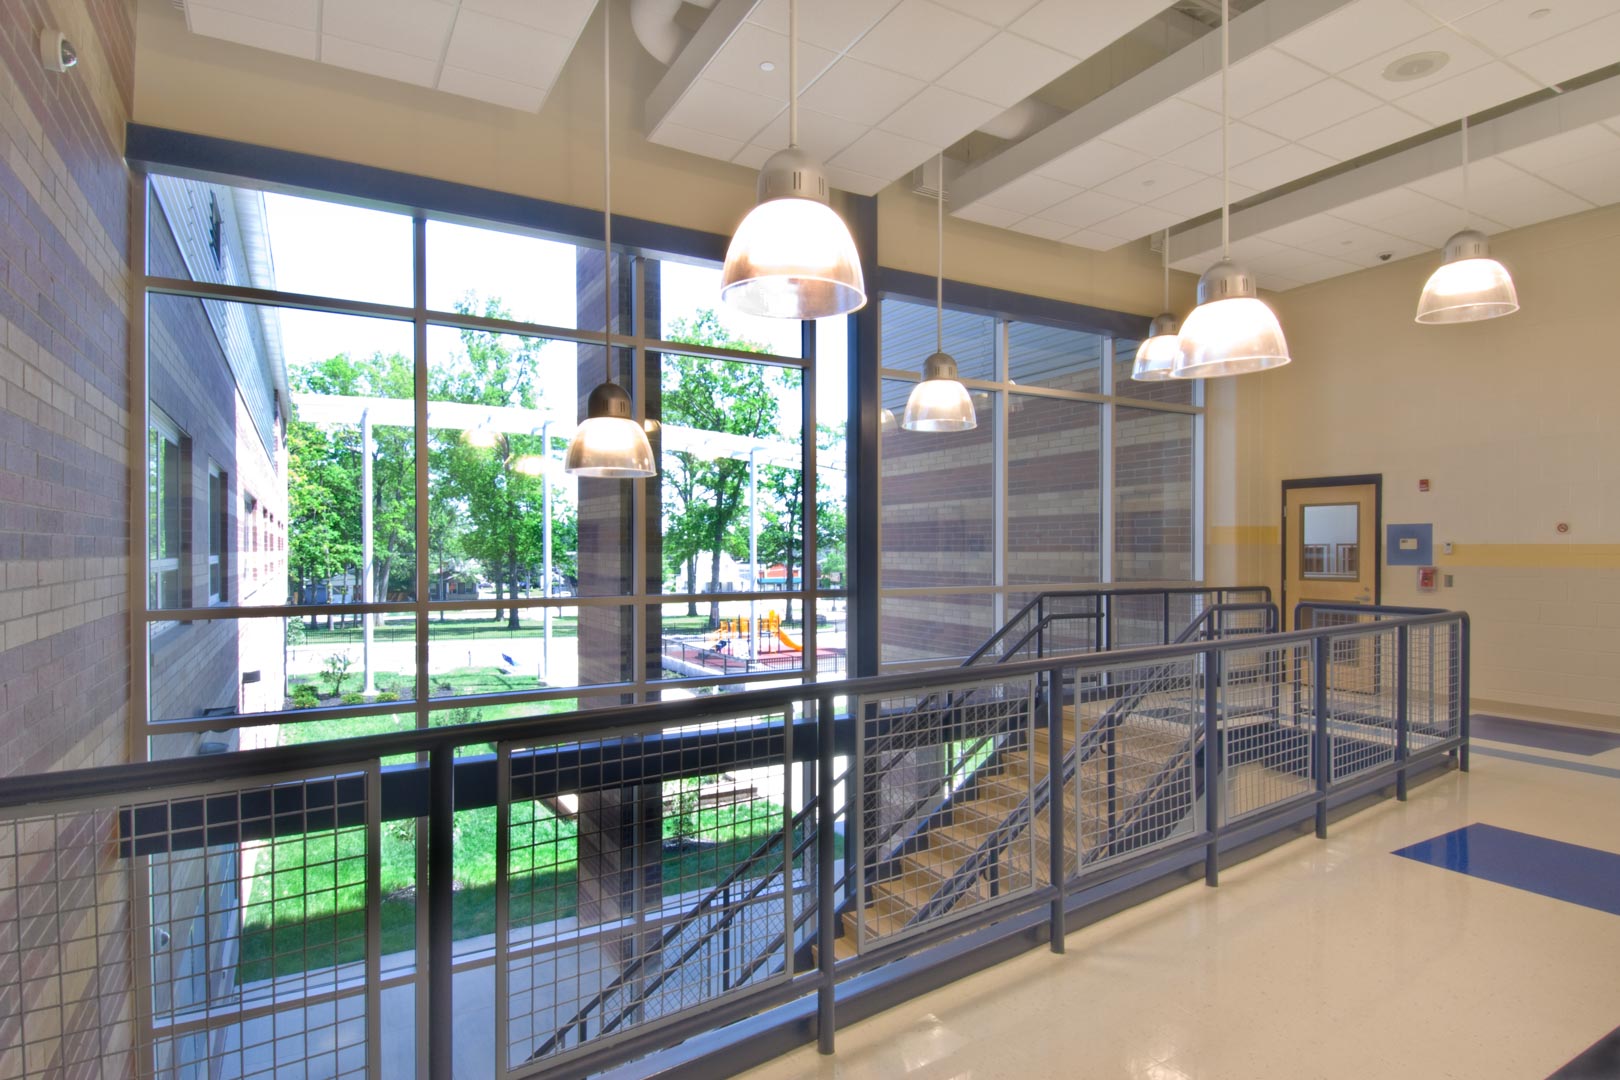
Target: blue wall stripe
{"points": [[1555, 763], [1569, 872]]}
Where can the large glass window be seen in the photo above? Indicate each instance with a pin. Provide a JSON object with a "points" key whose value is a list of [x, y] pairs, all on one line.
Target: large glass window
{"points": [[1074, 476], [301, 455]]}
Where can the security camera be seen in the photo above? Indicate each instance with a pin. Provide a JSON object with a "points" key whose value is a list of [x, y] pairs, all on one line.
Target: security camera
{"points": [[56, 52], [1385, 256]]}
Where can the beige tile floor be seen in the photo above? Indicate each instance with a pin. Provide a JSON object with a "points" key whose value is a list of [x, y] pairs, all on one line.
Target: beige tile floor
{"points": [[1318, 959]]}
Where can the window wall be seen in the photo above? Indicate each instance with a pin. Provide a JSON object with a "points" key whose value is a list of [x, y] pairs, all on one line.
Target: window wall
{"points": [[1075, 476], [356, 514]]}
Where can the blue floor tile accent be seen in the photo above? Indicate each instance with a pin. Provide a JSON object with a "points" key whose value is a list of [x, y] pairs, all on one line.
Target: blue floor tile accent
{"points": [[1579, 875], [1551, 763], [1532, 733]]}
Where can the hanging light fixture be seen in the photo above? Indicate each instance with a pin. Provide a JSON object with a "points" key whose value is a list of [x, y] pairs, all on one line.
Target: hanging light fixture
{"points": [[1156, 357], [608, 442], [1469, 285], [940, 402], [1231, 331], [792, 257]]}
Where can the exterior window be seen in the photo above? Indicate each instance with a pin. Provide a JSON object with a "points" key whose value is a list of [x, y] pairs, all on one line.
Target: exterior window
{"points": [[250, 525], [166, 494], [219, 522]]}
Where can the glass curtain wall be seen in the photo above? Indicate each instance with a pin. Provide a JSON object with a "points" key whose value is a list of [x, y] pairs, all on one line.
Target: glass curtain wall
{"points": [[1075, 476], [357, 518]]}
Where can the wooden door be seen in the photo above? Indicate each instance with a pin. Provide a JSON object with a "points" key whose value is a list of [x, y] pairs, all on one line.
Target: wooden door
{"points": [[1330, 543]]}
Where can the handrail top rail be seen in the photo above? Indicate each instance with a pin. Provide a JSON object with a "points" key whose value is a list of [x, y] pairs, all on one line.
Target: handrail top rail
{"points": [[617, 721]]}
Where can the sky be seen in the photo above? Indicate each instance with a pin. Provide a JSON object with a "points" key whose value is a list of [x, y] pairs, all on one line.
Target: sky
{"points": [[534, 278]]}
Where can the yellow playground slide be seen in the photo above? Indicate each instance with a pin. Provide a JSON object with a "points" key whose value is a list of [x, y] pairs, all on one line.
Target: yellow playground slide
{"points": [[781, 635]]}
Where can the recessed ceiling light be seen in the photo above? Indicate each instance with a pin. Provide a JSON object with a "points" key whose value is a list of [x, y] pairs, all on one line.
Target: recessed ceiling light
{"points": [[766, 65], [1416, 66]]}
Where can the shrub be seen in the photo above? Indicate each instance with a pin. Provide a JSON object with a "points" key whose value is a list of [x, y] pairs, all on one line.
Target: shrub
{"points": [[352, 698], [337, 669], [387, 695], [304, 696]]}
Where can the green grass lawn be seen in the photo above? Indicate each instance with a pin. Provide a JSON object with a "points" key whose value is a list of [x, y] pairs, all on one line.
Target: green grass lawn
{"points": [[403, 628]]}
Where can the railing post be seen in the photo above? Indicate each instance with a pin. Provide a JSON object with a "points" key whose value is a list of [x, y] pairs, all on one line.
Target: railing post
{"points": [[1212, 773], [1054, 800], [1165, 622], [826, 884], [441, 911], [1111, 753], [1460, 640], [1040, 626], [1403, 701], [1320, 653]]}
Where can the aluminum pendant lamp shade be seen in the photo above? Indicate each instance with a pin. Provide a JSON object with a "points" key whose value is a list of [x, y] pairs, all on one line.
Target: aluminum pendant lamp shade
{"points": [[1231, 331], [1468, 286], [1156, 356], [793, 257], [608, 442], [940, 402]]}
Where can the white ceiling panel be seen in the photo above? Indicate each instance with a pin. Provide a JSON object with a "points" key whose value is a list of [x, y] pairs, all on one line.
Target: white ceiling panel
{"points": [[1595, 45], [1503, 193], [276, 36], [1082, 27], [1137, 222], [1194, 199], [722, 110], [996, 12], [831, 24], [1471, 92], [1288, 162], [1093, 163], [739, 62], [1310, 110], [819, 133], [936, 114], [1086, 209], [1007, 69], [1164, 127], [1031, 193], [305, 14], [1148, 182], [1454, 55], [858, 91], [1043, 228], [718, 145], [505, 49], [1507, 26], [882, 153], [1256, 81], [1371, 130], [985, 214], [1246, 144], [413, 27], [1355, 33], [566, 17], [922, 39], [384, 63], [490, 88]]}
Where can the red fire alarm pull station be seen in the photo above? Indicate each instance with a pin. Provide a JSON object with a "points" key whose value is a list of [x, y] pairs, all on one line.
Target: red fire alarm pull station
{"points": [[1426, 578], [1423, 485]]}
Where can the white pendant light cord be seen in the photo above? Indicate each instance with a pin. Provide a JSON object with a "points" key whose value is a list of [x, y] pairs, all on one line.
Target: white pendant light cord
{"points": [[939, 254], [793, 74], [1165, 251], [1226, 138], [607, 195], [1466, 214]]}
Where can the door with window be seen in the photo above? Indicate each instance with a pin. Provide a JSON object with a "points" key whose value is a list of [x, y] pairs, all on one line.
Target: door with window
{"points": [[1330, 541]]}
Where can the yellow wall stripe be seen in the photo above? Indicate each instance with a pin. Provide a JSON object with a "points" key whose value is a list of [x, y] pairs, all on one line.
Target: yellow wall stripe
{"points": [[1534, 556], [1244, 534]]}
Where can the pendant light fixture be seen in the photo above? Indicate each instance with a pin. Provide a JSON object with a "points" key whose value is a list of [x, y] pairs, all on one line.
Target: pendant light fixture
{"points": [[1156, 357], [792, 257], [1469, 285], [608, 442], [940, 402], [1231, 331]]}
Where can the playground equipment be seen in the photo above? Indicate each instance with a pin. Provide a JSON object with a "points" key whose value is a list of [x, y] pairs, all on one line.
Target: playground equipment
{"points": [[764, 636]]}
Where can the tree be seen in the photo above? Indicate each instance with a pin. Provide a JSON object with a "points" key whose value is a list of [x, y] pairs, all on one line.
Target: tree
{"points": [[723, 396], [782, 537]]}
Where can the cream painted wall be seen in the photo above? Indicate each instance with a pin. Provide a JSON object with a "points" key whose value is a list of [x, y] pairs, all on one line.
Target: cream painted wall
{"points": [[196, 84], [1516, 423]]}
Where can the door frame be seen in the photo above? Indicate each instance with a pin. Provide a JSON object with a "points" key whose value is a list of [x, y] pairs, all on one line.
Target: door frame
{"points": [[1377, 482]]}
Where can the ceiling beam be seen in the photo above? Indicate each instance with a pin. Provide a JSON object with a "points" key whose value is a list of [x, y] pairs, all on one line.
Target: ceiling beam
{"points": [[722, 21], [1252, 31], [1539, 120]]}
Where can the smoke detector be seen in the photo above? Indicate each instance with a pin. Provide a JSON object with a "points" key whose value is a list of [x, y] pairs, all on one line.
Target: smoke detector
{"points": [[1416, 66]]}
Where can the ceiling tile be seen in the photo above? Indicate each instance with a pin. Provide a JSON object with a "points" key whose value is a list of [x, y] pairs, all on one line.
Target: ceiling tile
{"points": [[1095, 241], [1046, 230], [882, 153], [1451, 9], [939, 116], [921, 39], [820, 135], [1164, 127], [1583, 142], [1204, 154], [1199, 198], [1510, 25], [507, 50], [374, 61], [1029, 194], [1312, 109], [855, 90], [1596, 178], [831, 24], [1361, 244], [1253, 247], [498, 91], [1086, 209], [1360, 134], [259, 33], [305, 14], [850, 180], [1355, 32], [565, 17], [737, 62], [413, 27], [1502, 193], [1276, 282], [1286, 163], [1256, 81], [1082, 28], [998, 12], [1460, 56], [1309, 228], [1137, 222], [1321, 270], [698, 142], [986, 215], [1089, 165], [751, 156], [1146, 183], [1006, 70], [1398, 202], [723, 110], [1594, 45], [1470, 92]]}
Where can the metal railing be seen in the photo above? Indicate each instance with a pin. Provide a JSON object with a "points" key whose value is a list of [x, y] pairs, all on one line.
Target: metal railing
{"points": [[234, 915]]}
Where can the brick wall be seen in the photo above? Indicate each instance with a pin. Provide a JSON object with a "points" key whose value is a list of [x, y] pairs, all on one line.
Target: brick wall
{"points": [[64, 511]]}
